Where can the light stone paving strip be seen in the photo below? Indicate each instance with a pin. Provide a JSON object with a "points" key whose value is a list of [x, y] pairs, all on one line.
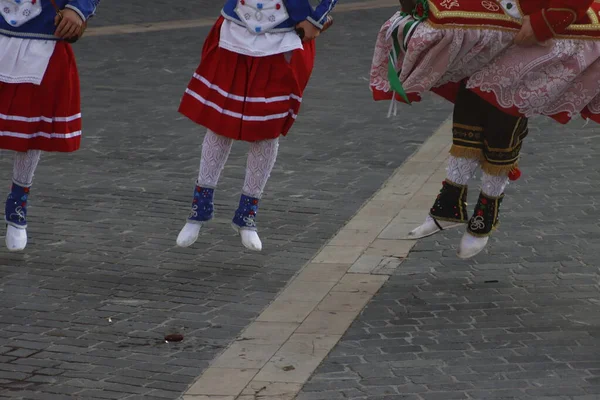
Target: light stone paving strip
{"points": [[204, 22], [279, 352]]}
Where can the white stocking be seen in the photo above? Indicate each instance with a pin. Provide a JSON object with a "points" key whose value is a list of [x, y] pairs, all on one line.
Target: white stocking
{"points": [[461, 169], [215, 152], [24, 167], [261, 160], [492, 185]]}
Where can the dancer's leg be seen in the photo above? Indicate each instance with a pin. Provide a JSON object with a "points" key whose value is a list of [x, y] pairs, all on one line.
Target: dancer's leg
{"points": [[261, 160], [485, 217], [24, 166], [449, 208], [503, 140], [215, 151]]}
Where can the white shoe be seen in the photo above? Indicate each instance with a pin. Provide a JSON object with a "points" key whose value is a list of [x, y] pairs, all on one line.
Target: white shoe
{"points": [[471, 245], [250, 238], [16, 238], [430, 227], [188, 235]]}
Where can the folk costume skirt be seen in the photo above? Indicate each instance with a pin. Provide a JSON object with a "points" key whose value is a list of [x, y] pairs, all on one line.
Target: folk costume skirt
{"points": [[247, 98], [47, 116], [559, 79]]}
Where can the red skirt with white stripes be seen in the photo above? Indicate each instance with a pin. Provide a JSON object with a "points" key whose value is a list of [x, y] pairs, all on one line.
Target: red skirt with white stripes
{"points": [[47, 116], [247, 98]]}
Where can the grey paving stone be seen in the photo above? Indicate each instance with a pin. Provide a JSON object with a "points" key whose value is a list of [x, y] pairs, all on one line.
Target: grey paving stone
{"points": [[520, 320]]}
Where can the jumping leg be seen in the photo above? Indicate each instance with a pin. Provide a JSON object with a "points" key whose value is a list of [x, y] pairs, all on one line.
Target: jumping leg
{"points": [[261, 160], [485, 217], [215, 151], [24, 166], [450, 207], [503, 140]]}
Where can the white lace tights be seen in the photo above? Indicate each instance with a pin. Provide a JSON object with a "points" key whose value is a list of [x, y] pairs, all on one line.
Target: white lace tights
{"points": [[24, 167], [261, 159], [493, 186], [460, 170], [215, 151]]}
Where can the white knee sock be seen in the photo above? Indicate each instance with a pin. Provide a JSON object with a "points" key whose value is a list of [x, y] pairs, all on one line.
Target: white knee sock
{"points": [[461, 169], [215, 152], [24, 167], [261, 160], [492, 185]]}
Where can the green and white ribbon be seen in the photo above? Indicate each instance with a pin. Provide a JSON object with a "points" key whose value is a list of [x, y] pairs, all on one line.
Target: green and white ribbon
{"points": [[394, 69]]}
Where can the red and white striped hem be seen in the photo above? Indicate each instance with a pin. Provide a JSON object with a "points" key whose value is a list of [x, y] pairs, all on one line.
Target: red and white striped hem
{"points": [[245, 108], [233, 114], [47, 133], [40, 119], [246, 99], [35, 135]]}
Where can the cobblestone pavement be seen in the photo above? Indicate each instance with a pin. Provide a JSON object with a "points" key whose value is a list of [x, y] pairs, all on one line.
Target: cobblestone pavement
{"points": [[84, 310], [521, 321]]}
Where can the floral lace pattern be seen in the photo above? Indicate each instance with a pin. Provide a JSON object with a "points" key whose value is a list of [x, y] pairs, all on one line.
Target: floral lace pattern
{"points": [[594, 106], [434, 56], [560, 77], [383, 46]]}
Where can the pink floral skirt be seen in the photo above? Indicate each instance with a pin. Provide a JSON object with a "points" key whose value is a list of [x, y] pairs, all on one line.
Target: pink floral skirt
{"points": [[559, 79]]}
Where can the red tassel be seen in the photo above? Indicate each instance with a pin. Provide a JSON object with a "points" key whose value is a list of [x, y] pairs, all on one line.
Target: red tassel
{"points": [[514, 174]]}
